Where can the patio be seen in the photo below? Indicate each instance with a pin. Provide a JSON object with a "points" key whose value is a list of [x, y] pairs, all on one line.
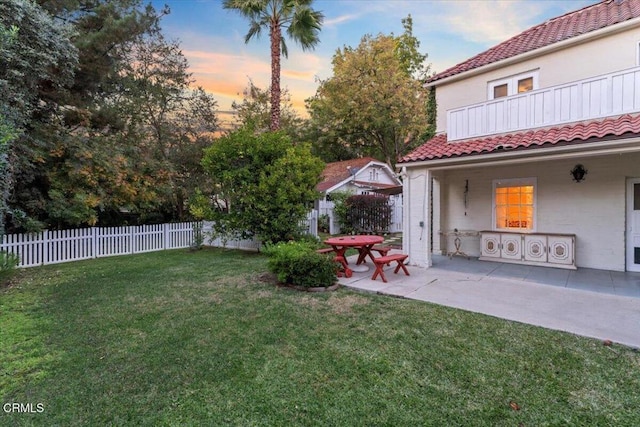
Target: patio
{"points": [[585, 279], [595, 303]]}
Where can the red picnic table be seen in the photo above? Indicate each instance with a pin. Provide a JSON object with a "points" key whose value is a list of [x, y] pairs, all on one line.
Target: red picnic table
{"points": [[363, 243]]}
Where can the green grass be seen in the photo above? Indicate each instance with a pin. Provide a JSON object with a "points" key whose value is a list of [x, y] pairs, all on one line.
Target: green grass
{"points": [[197, 338]]}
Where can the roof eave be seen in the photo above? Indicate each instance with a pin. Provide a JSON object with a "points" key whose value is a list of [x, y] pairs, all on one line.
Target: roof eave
{"points": [[583, 38], [616, 145]]}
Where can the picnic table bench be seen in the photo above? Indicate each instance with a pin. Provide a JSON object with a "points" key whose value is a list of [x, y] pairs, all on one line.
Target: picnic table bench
{"points": [[380, 262]]}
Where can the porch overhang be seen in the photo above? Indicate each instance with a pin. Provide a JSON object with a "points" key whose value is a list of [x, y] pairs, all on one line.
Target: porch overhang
{"points": [[614, 135], [506, 156]]}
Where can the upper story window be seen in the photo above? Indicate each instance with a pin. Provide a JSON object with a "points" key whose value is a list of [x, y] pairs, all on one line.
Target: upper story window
{"points": [[513, 85], [373, 175]]}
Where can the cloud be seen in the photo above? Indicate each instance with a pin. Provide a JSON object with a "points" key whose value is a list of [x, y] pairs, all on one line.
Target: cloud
{"points": [[339, 20], [225, 75], [220, 62], [297, 74], [490, 21]]}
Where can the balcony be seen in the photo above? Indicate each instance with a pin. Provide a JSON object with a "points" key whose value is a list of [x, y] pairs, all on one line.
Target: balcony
{"points": [[593, 98]]}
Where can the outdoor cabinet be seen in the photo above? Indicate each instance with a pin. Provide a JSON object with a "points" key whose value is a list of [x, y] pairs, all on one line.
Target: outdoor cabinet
{"points": [[543, 249]]}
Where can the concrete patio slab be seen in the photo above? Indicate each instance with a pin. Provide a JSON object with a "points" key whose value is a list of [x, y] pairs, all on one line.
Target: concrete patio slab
{"points": [[588, 307]]}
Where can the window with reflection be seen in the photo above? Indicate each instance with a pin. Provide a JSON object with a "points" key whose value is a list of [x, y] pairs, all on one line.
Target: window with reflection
{"points": [[514, 203], [513, 85], [500, 91], [525, 85]]}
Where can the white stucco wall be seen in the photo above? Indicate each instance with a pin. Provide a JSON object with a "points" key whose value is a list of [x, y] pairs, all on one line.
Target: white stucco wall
{"points": [[385, 175], [601, 56], [594, 210]]}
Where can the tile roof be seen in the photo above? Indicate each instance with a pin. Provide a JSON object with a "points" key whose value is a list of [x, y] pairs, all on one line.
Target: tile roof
{"points": [[439, 148], [336, 172], [572, 24]]}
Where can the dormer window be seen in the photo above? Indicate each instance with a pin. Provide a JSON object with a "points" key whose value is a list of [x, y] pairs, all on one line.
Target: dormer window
{"points": [[513, 85]]}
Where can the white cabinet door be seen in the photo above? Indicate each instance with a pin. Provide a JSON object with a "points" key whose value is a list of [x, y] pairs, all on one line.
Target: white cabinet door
{"points": [[551, 250], [535, 248], [511, 245], [490, 245], [561, 249]]}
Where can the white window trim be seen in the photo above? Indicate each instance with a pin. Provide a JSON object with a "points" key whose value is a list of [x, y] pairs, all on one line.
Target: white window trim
{"points": [[515, 182], [512, 83], [638, 53]]}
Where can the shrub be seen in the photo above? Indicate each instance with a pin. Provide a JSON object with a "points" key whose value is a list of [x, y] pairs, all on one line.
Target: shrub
{"points": [[298, 263], [8, 264], [340, 210], [365, 213], [324, 223], [267, 183]]}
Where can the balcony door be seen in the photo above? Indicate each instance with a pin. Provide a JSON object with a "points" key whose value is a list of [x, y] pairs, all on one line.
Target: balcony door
{"points": [[633, 224]]}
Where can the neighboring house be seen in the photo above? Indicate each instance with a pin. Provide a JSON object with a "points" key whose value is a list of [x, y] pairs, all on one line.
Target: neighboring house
{"points": [[536, 158], [358, 176]]}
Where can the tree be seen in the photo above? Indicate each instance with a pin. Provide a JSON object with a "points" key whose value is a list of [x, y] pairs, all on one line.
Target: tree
{"points": [[374, 104], [37, 60], [110, 121], [408, 52], [91, 166], [255, 111], [301, 22], [172, 122], [265, 184], [7, 133]]}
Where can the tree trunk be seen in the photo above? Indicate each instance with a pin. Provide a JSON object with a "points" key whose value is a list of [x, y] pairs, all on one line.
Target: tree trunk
{"points": [[276, 39]]}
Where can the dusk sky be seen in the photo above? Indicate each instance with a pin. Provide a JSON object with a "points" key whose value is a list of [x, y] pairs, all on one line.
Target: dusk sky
{"points": [[449, 31]]}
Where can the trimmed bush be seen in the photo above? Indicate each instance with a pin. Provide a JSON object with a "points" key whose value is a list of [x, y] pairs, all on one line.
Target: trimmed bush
{"points": [[298, 263], [364, 213], [8, 264]]}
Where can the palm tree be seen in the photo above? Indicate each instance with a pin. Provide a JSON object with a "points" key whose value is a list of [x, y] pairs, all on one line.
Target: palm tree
{"points": [[301, 22]]}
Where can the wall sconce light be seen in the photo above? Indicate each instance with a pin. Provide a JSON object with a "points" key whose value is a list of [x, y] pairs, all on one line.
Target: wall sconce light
{"points": [[578, 172]]}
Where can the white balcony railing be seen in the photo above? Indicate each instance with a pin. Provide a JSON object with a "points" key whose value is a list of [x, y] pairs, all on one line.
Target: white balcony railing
{"points": [[597, 97]]}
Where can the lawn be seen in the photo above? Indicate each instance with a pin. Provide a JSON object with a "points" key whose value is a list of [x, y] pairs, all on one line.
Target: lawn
{"points": [[201, 338]]}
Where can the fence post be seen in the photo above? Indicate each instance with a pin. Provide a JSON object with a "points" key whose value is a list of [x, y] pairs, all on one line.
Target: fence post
{"points": [[94, 242], [132, 237], [313, 223], [45, 247], [167, 238]]}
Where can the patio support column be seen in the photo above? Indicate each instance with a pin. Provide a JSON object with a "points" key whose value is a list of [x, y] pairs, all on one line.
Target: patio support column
{"points": [[417, 216], [435, 206]]}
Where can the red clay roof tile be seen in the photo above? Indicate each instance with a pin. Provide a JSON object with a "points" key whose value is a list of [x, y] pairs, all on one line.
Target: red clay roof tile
{"points": [[582, 21], [439, 148], [336, 172]]}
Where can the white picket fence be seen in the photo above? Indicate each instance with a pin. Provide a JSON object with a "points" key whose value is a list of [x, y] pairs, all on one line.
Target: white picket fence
{"points": [[310, 224], [57, 246]]}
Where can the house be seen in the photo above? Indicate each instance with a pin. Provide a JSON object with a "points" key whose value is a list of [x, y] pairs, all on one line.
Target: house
{"points": [[359, 176], [536, 157]]}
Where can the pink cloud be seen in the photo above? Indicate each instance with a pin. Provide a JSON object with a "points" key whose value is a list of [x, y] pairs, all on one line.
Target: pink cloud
{"points": [[227, 75]]}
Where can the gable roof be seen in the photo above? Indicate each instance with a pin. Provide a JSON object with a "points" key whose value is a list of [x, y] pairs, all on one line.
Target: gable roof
{"points": [[337, 172], [439, 148], [572, 24]]}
